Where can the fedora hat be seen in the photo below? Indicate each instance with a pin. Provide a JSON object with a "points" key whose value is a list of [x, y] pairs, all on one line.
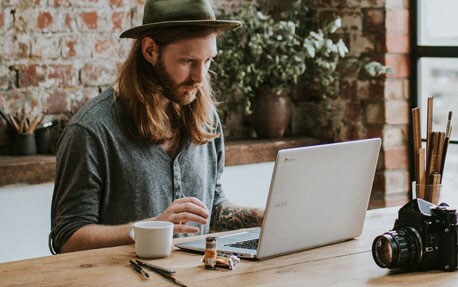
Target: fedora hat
{"points": [[167, 13]]}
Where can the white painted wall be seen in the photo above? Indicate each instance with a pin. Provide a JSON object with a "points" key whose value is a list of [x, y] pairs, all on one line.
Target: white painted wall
{"points": [[25, 209]]}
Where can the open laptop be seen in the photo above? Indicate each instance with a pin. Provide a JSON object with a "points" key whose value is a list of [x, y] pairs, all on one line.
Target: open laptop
{"points": [[318, 196]]}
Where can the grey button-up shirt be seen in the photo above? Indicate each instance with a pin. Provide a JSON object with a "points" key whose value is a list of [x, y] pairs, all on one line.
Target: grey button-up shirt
{"points": [[104, 176]]}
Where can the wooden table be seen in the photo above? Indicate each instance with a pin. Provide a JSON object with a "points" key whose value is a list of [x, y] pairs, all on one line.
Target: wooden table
{"points": [[345, 264]]}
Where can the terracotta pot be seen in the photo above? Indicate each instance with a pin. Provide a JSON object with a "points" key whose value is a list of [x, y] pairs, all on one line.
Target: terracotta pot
{"points": [[271, 113]]}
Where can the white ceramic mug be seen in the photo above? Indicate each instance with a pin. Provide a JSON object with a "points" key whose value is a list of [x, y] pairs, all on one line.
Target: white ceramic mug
{"points": [[153, 239]]}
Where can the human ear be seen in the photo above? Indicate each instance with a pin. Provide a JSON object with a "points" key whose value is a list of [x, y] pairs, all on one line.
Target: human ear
{"points": [[150, 50]]}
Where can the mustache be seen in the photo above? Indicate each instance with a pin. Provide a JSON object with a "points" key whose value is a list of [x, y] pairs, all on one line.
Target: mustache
{"points": [[191, 83]]}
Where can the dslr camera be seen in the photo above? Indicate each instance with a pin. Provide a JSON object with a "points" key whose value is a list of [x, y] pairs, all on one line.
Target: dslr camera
{"points": [[424, 237]]}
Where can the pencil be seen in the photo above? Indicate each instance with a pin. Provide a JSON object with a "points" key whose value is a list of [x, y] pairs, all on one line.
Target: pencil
{"points": [[421, 174], [446, 141], [139, 269], [429, 125], [416, 132]]}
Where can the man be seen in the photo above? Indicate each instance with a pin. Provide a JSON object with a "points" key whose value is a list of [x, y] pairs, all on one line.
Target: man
{"points": [[152, 146]]}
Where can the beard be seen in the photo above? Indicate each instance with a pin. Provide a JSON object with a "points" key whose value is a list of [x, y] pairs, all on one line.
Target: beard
{"points": [[183, 93]]}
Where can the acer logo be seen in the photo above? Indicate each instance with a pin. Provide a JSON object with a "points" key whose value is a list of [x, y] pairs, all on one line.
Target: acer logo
{"points": [[280, 204]]}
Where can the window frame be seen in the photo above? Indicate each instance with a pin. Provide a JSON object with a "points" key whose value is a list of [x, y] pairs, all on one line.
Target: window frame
{"points": [[419, 51]]}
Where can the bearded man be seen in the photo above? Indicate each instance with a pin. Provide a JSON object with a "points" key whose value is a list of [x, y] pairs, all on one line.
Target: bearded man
{"points": [[151, 147]]}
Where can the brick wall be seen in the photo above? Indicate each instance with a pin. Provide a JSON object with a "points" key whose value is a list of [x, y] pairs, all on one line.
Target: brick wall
{"points": [[378, 29], [57, 54]]}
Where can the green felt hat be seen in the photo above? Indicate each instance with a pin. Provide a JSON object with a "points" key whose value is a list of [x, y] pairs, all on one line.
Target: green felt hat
{"points": [[167, 13]]}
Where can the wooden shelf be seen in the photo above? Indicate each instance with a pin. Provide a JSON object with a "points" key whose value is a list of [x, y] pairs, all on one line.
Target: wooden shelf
{"points": [[41, 168], [255, 151]]}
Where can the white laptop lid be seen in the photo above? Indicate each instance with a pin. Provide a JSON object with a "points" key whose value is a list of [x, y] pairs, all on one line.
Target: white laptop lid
{"points": [[318, 195]]}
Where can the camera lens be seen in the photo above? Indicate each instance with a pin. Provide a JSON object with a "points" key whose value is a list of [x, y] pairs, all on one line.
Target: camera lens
{"points": [[399, 248]]}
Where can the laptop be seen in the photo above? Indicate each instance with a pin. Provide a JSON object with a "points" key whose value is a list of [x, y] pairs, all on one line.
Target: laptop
{"points": [[318, 196]]}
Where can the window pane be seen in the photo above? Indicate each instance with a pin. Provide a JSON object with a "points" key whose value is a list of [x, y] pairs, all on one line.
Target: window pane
{"points": [[437, 23], [439, 79]]}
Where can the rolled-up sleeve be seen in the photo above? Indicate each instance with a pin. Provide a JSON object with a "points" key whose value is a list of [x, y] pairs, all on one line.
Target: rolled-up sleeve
{"points": [[78, 186]]}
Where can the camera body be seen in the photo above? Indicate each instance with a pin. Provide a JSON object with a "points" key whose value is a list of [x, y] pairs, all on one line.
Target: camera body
{"points": [[424, 237]]}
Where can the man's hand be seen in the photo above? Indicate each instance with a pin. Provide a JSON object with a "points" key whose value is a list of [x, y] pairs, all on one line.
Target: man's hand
{"points": [[184, 210]]}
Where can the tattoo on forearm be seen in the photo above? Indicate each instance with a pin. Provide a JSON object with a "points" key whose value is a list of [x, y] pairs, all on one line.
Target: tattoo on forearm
{"points": [[230, 217]]}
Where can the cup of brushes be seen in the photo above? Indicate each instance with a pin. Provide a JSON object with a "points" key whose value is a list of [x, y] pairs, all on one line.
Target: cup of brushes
{"points": [[429, 161]]}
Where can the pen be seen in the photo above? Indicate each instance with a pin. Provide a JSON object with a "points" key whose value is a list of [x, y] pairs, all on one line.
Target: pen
{"points": [[170, 277], [153, 267], [140, 270]]}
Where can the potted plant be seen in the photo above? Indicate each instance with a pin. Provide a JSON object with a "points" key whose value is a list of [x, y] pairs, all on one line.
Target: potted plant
{"points": [[262, 63], [259, 63]]}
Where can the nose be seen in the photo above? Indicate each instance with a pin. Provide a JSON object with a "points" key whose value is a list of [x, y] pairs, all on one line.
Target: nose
{"points": [[198, 73]]}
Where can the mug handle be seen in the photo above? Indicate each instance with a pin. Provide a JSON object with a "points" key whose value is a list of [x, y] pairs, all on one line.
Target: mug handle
{"points": [[131, 232]]}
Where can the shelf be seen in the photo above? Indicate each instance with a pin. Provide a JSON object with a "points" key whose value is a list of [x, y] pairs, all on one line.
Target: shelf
{"points": [[41, 168]]}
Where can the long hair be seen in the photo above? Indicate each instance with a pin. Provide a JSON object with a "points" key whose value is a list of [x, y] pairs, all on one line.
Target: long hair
{"points": [[140, 92]]}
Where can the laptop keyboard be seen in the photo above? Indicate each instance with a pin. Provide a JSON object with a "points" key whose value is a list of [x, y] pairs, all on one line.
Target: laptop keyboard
{"points": [[247, 244]]}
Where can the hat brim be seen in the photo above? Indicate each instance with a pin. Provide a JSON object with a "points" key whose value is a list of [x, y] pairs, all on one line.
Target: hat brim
{"points": [[223, 25]]}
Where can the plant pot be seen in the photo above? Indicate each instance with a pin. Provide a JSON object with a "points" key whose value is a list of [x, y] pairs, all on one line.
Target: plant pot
{"points": [[24, 144], [271, 113]]}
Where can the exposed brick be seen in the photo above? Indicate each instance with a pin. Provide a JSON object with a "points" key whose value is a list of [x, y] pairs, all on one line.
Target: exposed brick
{"points": [[105, 48], [396, 181], [23, 19], [352, 131], [394, 89], [117, 3], [394, 136], [59, 3], [62, 75], [397, 21], [376, 89], [76, 47], [23, 3], [400, 65], [87, 21], [31, 75], [98, 74], [45, 46], [360, 44], [396, 4], [353, 112], [81, 97], [397, 43], [349, 88], [15, 46], [351, 21], [369, 3], [44, 20], [397, 112], [57, 101], [124, 48], [396, 158], [374, 20], [137, 16], [87, 3], [7, 78], [375, 113], [2, 20], [120, 21]]}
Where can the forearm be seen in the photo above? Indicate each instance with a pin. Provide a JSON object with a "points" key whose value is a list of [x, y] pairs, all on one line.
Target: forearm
{"points": [[227, 216], [94, 236]]}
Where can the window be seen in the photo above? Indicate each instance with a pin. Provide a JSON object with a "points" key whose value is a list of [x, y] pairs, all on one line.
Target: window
{"points": [[435, 73]]}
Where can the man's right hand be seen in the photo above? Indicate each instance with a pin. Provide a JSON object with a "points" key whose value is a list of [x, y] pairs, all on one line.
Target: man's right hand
{"points": [[184, 210]]}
